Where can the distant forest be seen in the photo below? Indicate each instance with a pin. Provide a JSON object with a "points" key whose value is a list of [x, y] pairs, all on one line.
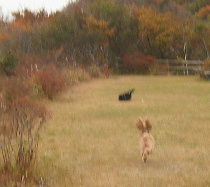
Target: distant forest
{"points": [[114, 32]]}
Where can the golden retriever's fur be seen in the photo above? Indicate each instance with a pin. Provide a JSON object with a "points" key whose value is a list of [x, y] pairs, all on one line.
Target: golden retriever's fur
{"points": [[147, 141]]}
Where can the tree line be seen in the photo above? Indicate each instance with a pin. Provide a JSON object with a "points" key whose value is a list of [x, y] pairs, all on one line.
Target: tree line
{"points": [[99, 32]]}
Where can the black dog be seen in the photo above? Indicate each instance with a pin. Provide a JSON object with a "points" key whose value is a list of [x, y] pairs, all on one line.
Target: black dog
{"points": [[126, 96]]}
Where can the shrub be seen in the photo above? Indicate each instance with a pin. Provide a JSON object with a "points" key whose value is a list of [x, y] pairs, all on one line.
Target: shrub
{"points": [[159, 69], [20, 122], [138, 63], [8, 64], [76, 75], [94, 71], [29, 65], [50, 81], [205, 67], [9, 60]]}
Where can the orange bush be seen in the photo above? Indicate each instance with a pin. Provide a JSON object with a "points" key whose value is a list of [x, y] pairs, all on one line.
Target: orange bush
{"points": [[49, 81], [206, 65], [21, 119], [204, 12], [138, 63]]}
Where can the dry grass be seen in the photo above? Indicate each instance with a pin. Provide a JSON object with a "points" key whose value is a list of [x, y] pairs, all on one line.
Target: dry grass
{"points": [[92, 140]]}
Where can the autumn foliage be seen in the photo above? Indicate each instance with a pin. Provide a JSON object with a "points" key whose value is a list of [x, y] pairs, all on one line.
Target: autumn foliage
{"points": [[138, 63], [206, 65], [204, 12], [21, 120], [102, 32], [49, 81]]}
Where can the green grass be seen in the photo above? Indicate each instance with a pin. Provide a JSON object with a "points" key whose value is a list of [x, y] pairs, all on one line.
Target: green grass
{"points": [[92, 140]]}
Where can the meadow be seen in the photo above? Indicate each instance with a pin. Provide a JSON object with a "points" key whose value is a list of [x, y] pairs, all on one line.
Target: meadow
{"points": [[92, 141]]}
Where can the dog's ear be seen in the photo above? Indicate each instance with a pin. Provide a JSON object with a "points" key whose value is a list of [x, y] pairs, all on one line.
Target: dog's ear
{"points": [[140, 124], [148, 124]]}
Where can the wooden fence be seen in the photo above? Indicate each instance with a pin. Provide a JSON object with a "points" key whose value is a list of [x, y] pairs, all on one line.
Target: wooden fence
{"points": [[184, 67]]}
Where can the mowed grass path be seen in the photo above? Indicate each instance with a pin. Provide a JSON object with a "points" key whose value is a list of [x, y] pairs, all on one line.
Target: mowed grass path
{"points": [[92, 141]]}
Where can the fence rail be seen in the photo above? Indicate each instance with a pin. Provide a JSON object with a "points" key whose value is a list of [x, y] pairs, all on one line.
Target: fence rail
{"points": [[185, 67]]}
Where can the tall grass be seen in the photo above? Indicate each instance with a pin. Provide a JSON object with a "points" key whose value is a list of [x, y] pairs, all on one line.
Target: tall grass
{"points": [[92, 140]]}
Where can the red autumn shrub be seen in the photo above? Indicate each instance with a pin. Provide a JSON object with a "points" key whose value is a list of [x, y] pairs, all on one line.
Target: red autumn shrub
{"points": [[138, 63], [21, 119], [13, 88], [49, 81], [205, 69], [206, 65]]}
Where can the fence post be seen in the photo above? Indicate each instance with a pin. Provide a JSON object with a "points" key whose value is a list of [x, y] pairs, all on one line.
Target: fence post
{"points": [[183, 65], [168, 66], [186, 67]]}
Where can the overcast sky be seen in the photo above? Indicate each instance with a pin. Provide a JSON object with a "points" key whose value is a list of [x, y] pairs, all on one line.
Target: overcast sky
{"points": [[7, 6]]}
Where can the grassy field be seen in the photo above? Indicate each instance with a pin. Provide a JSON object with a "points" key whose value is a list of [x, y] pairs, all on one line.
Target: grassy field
{"points": [[91, 139]]}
